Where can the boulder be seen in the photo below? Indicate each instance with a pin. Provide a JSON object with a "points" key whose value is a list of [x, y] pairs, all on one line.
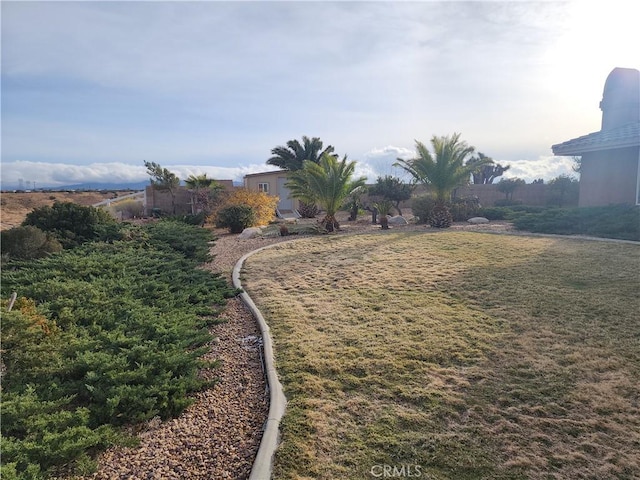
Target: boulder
{"points": [[477, 220], [251, 232], [397, 220]]}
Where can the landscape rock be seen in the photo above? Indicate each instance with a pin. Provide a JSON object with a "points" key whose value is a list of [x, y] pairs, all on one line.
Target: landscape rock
{"points": [[251, 232], [476, 220], [398, 220]]}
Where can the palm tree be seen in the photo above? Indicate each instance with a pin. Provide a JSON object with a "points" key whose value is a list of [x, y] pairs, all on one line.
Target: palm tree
{"points": [[201, 188], [443, 171], [328, 183], [292, 156]]}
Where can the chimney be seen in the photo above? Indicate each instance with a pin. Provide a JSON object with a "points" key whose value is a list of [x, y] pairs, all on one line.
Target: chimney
{"points": [[620, 103]]}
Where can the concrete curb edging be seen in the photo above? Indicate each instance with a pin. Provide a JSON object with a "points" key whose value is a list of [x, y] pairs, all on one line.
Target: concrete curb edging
{"points": [[263, 463]]}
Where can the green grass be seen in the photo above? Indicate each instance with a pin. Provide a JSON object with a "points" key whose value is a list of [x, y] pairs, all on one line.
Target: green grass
{"points": [[468, 355]]}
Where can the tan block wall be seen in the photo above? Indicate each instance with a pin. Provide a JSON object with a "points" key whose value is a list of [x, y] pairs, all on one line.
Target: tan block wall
{"points": [[529, 194], [155, 198]]}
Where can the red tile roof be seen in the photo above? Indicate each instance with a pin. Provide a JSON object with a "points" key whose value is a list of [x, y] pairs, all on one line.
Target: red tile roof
{"points": [[625, 136]]}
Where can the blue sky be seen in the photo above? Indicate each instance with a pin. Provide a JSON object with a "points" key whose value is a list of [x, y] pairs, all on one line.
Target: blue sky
{"points": [[92, 89]]}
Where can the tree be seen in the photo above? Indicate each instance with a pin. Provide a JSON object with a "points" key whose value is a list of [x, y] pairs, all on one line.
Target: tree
{"points": [[577, 164], [486, 171], [163, 180], [508, 186], [563, 190], [392, 189], [203, 190], [328, 182], [442, 171], [292, 156]]}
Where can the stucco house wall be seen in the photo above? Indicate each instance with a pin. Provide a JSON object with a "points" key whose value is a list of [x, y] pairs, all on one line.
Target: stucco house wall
{"points": [[272, 183], [600, 184], [610, 169]]}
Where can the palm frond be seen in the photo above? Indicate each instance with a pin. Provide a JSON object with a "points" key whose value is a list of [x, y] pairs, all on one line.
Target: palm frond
{"points": [[328, 182], [443, 170]]}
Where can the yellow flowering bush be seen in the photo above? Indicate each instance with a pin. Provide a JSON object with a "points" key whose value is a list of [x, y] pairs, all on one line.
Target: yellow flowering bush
{"points": [[263, 205]]}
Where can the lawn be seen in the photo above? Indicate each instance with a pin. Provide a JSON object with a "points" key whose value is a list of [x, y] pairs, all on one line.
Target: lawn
{"points": [[454, 355]]}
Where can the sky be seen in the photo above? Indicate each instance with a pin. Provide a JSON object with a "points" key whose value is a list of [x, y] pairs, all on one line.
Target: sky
{"points": [[90, 89]]}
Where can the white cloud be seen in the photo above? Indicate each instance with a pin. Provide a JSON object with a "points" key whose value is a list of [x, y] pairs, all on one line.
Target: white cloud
{"points": [[61, 174], [379, 161], [545, 167], [197, 83]]}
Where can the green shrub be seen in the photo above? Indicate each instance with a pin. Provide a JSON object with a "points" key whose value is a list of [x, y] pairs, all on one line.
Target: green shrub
{"points": [[520, 209], [494, 213], [72, 224], [116, 338], [196, 219], [506, 202], [509, 213], [236, 218], [620, 221], [422, 206], [462, 209], [27, 242]]}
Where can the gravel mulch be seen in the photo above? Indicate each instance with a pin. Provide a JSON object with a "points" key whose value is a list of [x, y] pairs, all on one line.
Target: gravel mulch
{"points": [[218, 436]]}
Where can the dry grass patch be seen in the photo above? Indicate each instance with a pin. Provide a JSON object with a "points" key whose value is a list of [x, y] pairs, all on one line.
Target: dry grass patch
{"points": [[469, 355], [14, 207]]}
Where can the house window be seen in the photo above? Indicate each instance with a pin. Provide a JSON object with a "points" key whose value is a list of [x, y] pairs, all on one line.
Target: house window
{"points": [[263, 187]]}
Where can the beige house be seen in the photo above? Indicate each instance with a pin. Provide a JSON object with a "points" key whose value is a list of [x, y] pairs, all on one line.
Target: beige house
{"points": [[610, 167], [273, 184]]}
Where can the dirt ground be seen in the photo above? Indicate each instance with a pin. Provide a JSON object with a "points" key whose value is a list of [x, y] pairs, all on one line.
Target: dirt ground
{"points": [[14, 206]]}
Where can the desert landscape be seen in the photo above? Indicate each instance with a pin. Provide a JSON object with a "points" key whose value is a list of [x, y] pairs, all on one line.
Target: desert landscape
{"points": [[14, 206]]}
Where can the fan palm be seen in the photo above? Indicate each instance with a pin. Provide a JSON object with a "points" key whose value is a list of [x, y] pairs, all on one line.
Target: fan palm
{"points": [[202, 189], [328, 182], [292, 156], [443, 171]]}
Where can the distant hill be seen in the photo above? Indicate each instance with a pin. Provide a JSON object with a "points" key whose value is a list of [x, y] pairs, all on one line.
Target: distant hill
{"points": [[88, 186], [91, 186], [103, 186]]}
